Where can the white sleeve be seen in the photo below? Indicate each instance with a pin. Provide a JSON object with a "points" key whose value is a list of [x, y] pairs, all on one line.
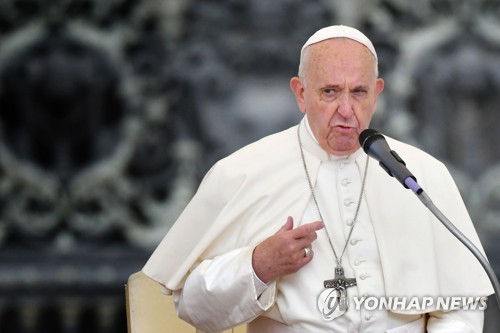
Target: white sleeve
{"points": [[456, 321], [221, 293]]}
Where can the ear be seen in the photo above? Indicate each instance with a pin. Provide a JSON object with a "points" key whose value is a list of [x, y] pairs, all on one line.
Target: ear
{"points": [[298, 90], [379, 86]]}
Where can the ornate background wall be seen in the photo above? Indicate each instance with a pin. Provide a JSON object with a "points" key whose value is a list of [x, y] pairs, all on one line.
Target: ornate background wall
{"points": [[112, 111]]}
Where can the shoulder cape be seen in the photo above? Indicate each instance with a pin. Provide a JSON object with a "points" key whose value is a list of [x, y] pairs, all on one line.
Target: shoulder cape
{"points": [[247, 196]]}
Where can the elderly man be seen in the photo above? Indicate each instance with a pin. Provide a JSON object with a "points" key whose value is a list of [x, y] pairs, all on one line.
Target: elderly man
{"points": [[295, 232]]}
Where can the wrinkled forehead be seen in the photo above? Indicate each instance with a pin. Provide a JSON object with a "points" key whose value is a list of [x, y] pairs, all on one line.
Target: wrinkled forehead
{"points": [[340, 31]]}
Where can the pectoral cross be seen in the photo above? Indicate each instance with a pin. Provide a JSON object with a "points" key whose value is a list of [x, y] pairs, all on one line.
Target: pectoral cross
{"points": [[340, 283]]}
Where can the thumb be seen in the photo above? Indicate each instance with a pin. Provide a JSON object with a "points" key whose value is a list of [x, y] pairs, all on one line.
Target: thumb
{"points": [[288, 225]]}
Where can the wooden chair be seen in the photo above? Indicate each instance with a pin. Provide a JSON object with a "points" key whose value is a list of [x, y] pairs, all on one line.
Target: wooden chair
{"points": [[150, 311]]}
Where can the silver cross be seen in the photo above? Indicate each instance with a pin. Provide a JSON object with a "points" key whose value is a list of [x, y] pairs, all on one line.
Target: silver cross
{"points": [[340, 283]]}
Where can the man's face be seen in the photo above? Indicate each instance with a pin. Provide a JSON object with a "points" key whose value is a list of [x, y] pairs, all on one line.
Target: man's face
{"points": [[338, 93]]}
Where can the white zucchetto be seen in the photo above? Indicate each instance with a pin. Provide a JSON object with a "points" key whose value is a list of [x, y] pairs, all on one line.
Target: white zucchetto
{"points": [[340, 31]]}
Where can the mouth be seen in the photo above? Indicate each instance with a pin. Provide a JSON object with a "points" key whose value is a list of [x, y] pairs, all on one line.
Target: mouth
{"points": [[344, 128]]}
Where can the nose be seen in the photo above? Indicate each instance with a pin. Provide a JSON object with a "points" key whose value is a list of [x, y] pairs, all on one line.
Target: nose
{"points": [[345, 106]]}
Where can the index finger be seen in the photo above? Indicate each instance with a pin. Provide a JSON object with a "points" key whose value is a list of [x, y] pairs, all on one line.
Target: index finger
{"points": [[306, 229]]}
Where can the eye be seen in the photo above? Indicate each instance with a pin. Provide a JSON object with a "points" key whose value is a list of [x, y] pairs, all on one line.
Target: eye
{"points": [[360, 92], [329, 91]]}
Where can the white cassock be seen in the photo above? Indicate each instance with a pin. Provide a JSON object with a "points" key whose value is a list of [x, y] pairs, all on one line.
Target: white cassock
{"points": [[397, 248]]}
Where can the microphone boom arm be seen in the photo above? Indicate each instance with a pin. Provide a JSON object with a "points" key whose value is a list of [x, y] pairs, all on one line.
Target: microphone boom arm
{"points": [[426, 200], [375, 145]]}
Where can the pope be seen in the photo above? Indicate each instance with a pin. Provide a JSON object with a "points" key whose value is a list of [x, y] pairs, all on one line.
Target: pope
{"points": [[284, 233]]}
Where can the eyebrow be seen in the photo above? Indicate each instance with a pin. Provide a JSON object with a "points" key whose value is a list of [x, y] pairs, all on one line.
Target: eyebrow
{"points": [[338, 86]]}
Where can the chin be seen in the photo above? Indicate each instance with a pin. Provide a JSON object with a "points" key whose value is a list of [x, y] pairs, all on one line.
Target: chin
{"points": [[347, 144]]}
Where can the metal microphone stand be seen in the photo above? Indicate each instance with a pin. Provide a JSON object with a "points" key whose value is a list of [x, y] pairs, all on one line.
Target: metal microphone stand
{"points": [[413, 185]]}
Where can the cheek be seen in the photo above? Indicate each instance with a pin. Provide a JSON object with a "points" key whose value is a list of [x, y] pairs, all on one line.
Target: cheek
{"points": [[364, 114]]}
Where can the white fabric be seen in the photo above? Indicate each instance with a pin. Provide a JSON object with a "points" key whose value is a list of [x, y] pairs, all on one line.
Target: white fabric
{"points": [[337, 190], [462, 321], [221, 292], [416, 326], [266, 325], [340, 31], [417, 255], [259, 285]]}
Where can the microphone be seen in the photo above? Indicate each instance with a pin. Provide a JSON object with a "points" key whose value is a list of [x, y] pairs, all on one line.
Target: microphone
{"points": [[375, 145]]}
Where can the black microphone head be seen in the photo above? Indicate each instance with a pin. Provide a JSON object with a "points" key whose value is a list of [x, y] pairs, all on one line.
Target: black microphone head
{"points": [[367, 137]]}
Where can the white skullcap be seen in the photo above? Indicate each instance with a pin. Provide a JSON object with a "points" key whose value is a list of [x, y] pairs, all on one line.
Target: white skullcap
{"points": [[340, 31]]}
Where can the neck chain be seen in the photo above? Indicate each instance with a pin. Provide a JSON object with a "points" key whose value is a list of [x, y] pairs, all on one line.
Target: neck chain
{"points": [[333, 301], [337, 258]]}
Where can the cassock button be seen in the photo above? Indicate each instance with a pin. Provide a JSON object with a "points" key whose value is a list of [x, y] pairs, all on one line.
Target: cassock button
{"points": [[346, 181], [354, 241], [348, 202], [349, 222]]}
